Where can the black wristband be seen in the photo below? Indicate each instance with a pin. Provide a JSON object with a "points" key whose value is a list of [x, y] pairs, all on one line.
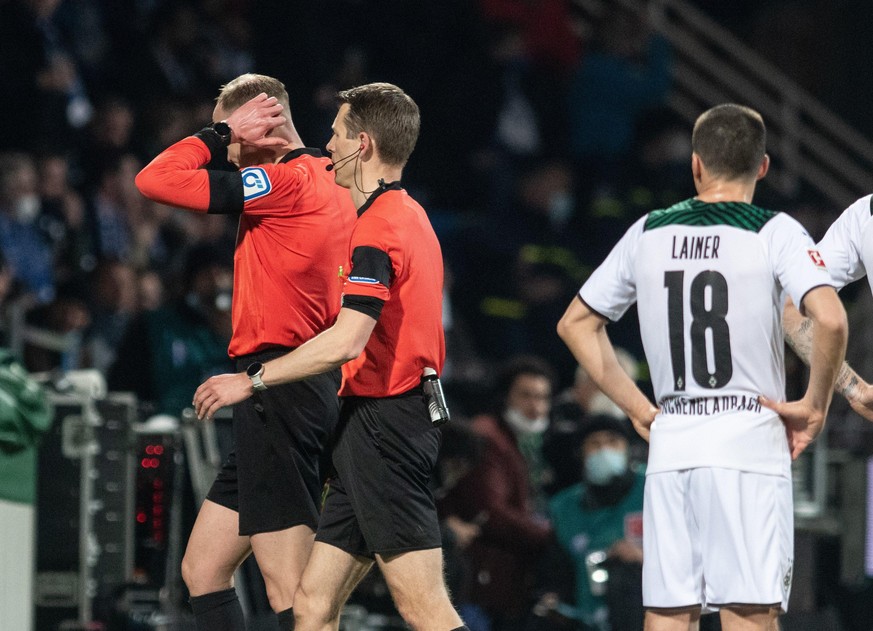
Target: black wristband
{"points": [[213, 142]]}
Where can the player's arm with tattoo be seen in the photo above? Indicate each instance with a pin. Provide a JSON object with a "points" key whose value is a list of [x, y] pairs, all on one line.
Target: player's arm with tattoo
{"points": [[798, 335]]}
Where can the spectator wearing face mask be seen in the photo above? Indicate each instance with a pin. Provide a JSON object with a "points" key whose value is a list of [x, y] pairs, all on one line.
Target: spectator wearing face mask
{"points": [[571, 410], [500, 497], [598, 531]]}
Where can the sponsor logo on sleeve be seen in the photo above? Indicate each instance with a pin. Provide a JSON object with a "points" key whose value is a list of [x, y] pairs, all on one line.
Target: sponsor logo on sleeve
{"points": [[363, 280], [255, 183], [816, 258]]}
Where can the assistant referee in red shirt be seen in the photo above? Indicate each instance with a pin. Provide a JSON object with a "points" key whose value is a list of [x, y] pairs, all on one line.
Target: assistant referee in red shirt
{"points": [[379, 508]]}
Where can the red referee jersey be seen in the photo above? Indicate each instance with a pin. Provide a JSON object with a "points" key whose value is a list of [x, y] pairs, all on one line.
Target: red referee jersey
{"points": [[292, 245], [409, 332]]}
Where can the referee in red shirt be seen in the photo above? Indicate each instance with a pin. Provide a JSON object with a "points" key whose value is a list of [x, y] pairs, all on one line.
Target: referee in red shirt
{"points": [[379, 508], [292, 245]]}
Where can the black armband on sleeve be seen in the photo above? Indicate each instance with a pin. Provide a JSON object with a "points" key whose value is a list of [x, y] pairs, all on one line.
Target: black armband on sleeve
{"points": [[372, 264], [225, 193], [368, 305], [225, 183]]}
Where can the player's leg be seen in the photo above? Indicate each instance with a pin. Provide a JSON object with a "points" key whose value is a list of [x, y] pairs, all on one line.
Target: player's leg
{"points": [[681, 619], [418, 587], [214, 552], [282, 557], [747, 529], [328, 580], [751, 618], [672, 568]]}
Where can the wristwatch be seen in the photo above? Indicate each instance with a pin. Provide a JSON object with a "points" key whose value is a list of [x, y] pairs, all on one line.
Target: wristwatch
{"points": [[254, 371], [223, 130]]}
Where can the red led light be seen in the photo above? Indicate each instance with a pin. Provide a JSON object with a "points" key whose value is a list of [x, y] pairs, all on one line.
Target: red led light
{"points": [[141, 517]]}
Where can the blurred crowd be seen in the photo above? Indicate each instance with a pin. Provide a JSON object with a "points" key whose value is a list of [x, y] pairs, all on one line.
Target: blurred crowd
{"points": [[545, 134]]}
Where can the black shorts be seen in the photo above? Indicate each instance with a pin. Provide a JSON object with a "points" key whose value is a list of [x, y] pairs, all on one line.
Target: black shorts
{"points": [[274, 477], [379, 498]]}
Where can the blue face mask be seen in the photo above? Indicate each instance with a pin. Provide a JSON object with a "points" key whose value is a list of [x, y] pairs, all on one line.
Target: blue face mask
{"points": [[604, 465]]}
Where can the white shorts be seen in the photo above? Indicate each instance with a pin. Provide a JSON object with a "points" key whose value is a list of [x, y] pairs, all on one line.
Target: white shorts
{"points": [[716, 538]]}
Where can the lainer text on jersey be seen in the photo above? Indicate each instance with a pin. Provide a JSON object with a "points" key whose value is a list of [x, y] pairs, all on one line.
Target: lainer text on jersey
{"points": [[695, 247]]}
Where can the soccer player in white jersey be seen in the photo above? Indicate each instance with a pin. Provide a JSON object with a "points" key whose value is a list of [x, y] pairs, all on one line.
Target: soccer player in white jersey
{"points": [[710, 275], [847, 248]]}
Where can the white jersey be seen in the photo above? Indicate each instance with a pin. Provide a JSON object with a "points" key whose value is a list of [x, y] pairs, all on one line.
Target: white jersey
{"points": [[710, 280], [847, 247]]}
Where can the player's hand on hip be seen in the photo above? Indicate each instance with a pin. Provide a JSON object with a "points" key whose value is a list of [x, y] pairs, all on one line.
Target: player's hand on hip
{"points": [[802, 422], [251, 123], [862, 400], [220, 391], [643, 422]]}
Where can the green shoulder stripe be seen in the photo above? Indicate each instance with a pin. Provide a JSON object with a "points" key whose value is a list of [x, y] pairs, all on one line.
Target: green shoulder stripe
{"points": [[692, 212]]}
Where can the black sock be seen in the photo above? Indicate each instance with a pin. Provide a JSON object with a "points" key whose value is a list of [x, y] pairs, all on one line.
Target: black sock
{"points": [[218, 611], [286, 619]]}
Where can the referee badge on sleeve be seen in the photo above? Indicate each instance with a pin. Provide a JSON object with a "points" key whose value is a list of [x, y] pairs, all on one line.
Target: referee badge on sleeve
{"points": [[255, 183]]}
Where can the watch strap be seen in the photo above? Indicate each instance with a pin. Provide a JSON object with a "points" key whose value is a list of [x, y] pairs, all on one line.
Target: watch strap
{"points": [[254, 372], [257, 383]]}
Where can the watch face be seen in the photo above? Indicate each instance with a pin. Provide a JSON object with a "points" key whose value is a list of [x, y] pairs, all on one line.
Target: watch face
{"points": [[254, 369], [222, 129]]}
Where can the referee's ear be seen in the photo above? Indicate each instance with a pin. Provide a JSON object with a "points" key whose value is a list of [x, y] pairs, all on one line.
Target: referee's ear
{"points": [[367, 145]]}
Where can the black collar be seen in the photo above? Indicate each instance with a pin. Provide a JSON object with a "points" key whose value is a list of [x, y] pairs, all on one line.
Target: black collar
{"points": [[304, 151], [390, 186]]}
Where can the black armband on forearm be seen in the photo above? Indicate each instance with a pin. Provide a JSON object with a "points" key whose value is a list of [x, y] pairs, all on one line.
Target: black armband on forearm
{"points": [[368, 305]]}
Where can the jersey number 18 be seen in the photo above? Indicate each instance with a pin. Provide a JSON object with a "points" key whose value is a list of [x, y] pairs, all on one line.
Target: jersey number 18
{"points": [[702, 320]]}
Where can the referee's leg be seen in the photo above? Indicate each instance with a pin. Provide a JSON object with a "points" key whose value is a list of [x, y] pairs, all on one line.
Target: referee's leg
{"points": [[215, 550], [328, 580], [281, 557], [418, 587]]}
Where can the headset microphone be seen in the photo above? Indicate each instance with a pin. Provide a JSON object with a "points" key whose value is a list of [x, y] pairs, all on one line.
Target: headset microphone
{"points": [[339, 163]]}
